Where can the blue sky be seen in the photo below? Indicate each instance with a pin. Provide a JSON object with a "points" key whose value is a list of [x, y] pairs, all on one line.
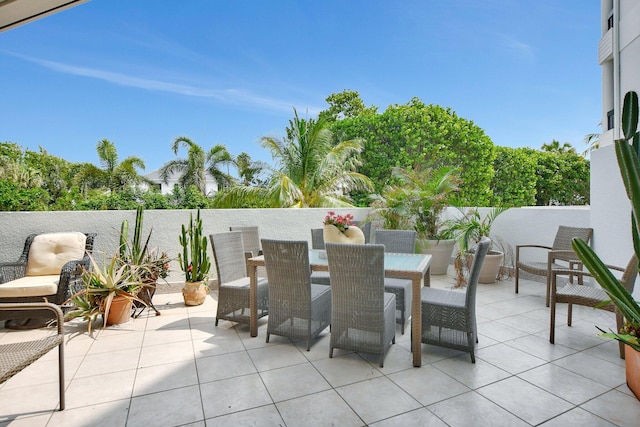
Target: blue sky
{"points": [[141, 73]]}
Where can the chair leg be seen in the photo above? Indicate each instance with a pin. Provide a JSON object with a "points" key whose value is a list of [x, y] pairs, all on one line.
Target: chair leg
{"points": [[61, 384], [548, 290], [268, 337], [569, 309], [402, 321], [619, 325], [552, 328], [517, 277], [330, 352], [473, 357]]}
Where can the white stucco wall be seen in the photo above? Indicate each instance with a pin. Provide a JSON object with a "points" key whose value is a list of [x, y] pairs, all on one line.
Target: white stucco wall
{"points": [[515, 226]]}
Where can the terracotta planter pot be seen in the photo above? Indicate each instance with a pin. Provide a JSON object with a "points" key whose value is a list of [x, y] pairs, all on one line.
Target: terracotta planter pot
{"points": [[194, 293], [440, 251], [632, 363], [352, 235], [120, 311], [491, 267]]}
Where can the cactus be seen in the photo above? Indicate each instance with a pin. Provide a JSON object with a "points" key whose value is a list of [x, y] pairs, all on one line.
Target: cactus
{"points": [[627, 154], [194, 260], [134, 252]]}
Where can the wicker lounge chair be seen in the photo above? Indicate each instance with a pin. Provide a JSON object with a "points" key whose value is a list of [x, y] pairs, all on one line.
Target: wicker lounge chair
{"points": [[449, 317], [50, 267], [560, 251], [298, 309], [233, 282], [398, 241], [590, 296], [16, 356], [362, 313]]}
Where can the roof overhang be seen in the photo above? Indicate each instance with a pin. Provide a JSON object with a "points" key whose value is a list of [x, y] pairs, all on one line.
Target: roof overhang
{"points": [[17, 12]]}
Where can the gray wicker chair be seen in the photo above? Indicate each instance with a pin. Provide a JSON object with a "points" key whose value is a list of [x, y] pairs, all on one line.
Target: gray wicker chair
{"points": [[69, 281], [560, 251], [233, 282], [398, 241], [590, 296], [362, 313], [365, 226], [250, 243], [317, 242], [298, 309], [16, 356], [449, 317]]}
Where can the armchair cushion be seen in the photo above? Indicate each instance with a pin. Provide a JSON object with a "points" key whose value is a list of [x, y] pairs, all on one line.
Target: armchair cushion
{"points": [[50, 251], [30, 286]]}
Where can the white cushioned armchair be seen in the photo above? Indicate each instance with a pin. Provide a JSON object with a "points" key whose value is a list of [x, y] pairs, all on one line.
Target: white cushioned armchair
{"points": [[50, 267]]}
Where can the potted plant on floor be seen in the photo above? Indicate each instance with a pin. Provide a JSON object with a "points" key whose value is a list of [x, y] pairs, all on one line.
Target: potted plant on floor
{"points": [[468, 230], [108, 292], [430, 192], [194, 261], [150, 262], [627, 155]]}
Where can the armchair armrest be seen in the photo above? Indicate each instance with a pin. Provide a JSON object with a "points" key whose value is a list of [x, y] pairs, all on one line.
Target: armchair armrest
{"points": [[12, 270], [566, 255], [12, 306], [518, 247], [70, 277]]}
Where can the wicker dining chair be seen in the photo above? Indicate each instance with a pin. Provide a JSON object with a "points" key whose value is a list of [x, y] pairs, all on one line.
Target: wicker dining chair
{"points": [[589, 296], [362, 313], [365, 226], [250, 243], [317, 242], [298, 309], [561, 250], [233, 281], [50, 267], [16, 356], [449, 317], [398, 241]]}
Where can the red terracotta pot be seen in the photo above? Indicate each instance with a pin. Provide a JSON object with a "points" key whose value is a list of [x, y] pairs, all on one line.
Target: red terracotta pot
{"points": [[632, 362]]}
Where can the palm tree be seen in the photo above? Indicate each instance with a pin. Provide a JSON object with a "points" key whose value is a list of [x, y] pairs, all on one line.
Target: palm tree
{"points": [[555, 147], [311, 171], [249, 171], [113, 175], [193, 169]]}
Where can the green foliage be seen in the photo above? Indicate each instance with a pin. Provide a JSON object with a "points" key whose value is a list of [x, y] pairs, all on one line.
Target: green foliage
{"points": [[13, 197], [405, 135], [629, 164], [194, 259], [514, 182], [561, 178], [344, 105]]}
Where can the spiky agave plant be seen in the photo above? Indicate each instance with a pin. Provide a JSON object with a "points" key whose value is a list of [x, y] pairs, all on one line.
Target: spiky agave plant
{"points": [[627, 152]]}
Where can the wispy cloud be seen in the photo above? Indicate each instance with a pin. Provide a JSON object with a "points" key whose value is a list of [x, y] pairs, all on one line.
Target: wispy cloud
{"points": [[521, 49], [228, 96]]}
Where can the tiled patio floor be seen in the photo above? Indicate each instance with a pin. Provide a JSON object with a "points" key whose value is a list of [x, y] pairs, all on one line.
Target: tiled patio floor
{"points": [[179, 369]]}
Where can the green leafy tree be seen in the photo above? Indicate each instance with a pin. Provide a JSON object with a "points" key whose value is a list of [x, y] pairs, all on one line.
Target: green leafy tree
{"points": [[561, 178], [194, 168], [404, 135], [514, 182], [343, 105], [311, 171]]}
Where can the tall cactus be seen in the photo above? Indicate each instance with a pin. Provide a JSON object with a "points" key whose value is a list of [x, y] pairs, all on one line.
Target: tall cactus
{"points": [[627, 152], [194, 259], [134, 252]]}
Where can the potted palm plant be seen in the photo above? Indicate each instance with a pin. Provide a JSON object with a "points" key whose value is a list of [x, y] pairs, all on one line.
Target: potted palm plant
{"points": [[627, 155], [468, 230], [194, 261], [430, 192]]}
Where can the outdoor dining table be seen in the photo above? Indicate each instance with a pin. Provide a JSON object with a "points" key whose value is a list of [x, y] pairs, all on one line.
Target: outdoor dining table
{"points": [[403, 266]]}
